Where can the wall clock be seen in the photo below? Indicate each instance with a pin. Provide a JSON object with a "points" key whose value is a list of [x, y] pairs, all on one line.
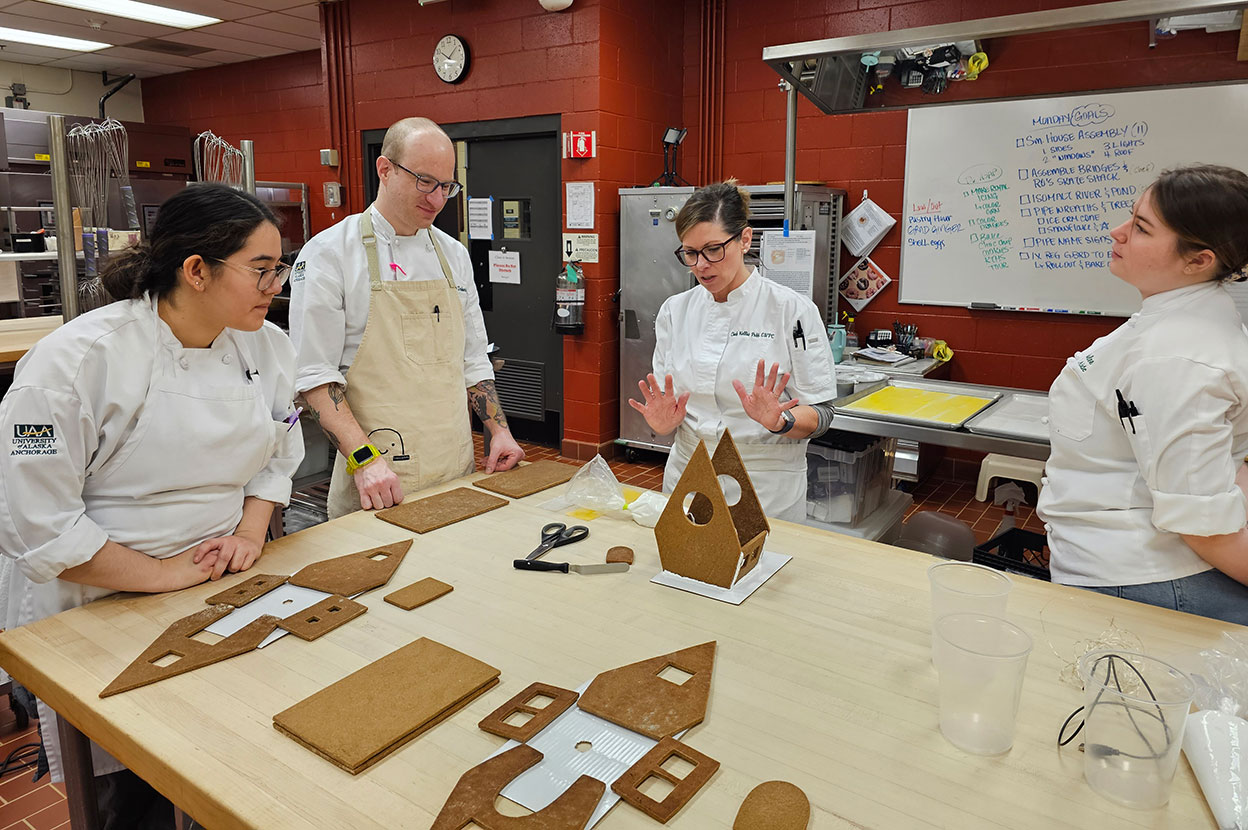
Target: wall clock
{"points": [[451, 59]]}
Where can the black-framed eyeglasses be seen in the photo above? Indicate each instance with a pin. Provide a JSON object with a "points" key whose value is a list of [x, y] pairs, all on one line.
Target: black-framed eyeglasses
{"points": [[711, 253], [428, 184], [267, 276]]}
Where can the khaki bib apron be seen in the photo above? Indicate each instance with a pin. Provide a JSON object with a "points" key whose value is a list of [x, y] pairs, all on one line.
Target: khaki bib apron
{"points": [[406, 384]]}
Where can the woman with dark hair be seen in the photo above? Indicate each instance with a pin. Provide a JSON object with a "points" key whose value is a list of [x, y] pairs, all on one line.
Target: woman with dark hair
{"points": [[721, 335], [1149, 425], [145, 443]]}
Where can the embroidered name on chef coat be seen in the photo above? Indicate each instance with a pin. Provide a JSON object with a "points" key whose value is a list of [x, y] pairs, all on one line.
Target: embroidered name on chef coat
{"points": [[760, 335], [1084, 362], [34, 439], [299, 272]]}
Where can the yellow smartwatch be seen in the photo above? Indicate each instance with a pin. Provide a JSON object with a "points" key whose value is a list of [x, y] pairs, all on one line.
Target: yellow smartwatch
{"points": [[362, 457]]}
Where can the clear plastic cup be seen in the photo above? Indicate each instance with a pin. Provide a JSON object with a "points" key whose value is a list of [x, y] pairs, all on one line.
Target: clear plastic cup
{"points": [[983, 659], [964, 588], [1135, 711]]}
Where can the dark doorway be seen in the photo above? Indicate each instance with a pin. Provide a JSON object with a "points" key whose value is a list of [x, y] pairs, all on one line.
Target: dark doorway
{"points": [[515, 161]]}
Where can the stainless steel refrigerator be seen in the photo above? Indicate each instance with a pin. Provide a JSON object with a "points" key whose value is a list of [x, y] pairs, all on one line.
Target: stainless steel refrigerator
{"points": [[649, 273]]}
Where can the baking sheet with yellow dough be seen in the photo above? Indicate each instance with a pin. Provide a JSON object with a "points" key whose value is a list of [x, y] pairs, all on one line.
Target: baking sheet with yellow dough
{"points": [[928, 404]]}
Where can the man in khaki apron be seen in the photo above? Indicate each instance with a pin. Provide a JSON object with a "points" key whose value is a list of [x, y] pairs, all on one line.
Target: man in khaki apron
{"points": [[390, 345]]}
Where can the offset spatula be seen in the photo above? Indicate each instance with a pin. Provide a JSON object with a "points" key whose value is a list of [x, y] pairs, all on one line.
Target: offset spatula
{"points": [[565, 567]]}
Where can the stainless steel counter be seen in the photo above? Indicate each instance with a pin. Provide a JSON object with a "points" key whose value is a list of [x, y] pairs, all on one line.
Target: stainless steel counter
{"points": [[947, 437]]}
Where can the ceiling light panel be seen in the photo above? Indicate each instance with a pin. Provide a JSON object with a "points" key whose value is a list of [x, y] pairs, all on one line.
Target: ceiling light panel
{"points": [[72, 44], [146, 12]]}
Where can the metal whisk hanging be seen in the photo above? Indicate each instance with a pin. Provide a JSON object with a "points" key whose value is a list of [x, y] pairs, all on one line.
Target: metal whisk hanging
{"points": [[117, 146], [216, 160], [89, 175]]}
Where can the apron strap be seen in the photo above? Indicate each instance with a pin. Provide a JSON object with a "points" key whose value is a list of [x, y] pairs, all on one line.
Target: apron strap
{"points": [[446, 266], [370, 253], [370, 249]]}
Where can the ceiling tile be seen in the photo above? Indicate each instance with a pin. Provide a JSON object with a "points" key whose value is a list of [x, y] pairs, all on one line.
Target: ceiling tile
{"points": [[223, 9], [126, 53], [281, 5], [250, 33], [309, 11], [219, 56], [278, 22], [197, 37]]}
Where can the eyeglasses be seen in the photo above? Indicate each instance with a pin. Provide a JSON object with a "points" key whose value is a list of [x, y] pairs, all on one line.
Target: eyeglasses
{"points": [[278, 273], [428, 184], [711, 253]]}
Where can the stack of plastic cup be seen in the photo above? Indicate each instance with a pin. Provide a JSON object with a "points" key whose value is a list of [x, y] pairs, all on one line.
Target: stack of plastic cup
{"points": [[980, 656], [982, 662], [964, 588], [1135, 711]]}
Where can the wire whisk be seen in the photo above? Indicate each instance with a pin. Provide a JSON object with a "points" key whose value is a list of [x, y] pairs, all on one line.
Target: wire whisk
{"points": [[216, 160]]}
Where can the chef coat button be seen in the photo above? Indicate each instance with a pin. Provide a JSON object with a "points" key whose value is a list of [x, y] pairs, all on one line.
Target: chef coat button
{"points": [[227, 359], [1048, 528], [1044, 419], [184, 363], [1044, 481]]}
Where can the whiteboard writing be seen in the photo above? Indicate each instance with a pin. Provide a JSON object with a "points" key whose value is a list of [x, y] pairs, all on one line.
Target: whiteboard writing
{"points": [[1011, 203]]}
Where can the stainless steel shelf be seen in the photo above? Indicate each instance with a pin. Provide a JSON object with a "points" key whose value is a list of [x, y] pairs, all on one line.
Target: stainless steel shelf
{"points": [[806, 63]]}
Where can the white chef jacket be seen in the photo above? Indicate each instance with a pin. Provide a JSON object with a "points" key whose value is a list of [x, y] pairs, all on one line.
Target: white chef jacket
{"points": [[329, 296], [1119, 491], [113, 430], [705, 346]]}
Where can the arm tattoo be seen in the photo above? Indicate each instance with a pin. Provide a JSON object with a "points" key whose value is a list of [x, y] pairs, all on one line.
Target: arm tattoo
{"points": [[337, 394], [309, 411], [484, 401]]}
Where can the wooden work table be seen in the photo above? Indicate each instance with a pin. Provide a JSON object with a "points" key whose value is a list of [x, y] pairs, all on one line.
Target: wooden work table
{"points": [[822, 678], [18, 335]]}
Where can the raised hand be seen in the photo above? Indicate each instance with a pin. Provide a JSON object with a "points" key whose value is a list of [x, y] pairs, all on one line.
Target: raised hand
{"points": [[663, 410], [763, 402]]}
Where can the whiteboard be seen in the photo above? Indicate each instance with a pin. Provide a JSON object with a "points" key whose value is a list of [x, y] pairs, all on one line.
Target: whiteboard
{"points": [[1010, 203]]}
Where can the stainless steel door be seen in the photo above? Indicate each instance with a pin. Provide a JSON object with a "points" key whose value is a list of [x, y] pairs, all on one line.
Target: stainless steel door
{"points": [[649, 274]]}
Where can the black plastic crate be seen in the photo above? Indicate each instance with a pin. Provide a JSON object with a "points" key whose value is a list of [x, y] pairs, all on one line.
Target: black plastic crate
{"points": [[1016, 550]]}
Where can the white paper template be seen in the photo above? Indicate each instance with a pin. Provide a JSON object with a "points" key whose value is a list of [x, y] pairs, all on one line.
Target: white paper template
{"points": [[505, 267], [767, 565], [790, 260], [280, 602], [612, 751], [580, 204]]}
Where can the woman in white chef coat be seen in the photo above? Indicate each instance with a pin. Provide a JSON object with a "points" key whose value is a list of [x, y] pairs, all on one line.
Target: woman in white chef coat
{"points": [[738, 352], [1149, 424], [146, 442]]}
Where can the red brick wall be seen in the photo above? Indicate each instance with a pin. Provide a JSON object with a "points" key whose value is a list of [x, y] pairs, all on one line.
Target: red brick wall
{"points": [[867, 150], [613, 66], [278, 103]]}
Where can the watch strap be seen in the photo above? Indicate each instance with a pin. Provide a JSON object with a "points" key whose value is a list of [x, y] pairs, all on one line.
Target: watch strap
{"points": [[789, 420], [353, 464]]}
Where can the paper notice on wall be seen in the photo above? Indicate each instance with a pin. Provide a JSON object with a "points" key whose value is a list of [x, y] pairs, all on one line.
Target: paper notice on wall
{"points": [[505, 267], [864, 227], [790, 260], [580, 204], [863, 282], [481, 218]]}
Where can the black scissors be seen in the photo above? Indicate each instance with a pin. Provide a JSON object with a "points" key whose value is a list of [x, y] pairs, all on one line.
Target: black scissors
{"points": [[556, 535]]}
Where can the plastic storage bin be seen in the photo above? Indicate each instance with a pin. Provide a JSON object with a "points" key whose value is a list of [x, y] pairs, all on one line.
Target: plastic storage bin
{"points": [[1016, 550], [848, 480]]}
